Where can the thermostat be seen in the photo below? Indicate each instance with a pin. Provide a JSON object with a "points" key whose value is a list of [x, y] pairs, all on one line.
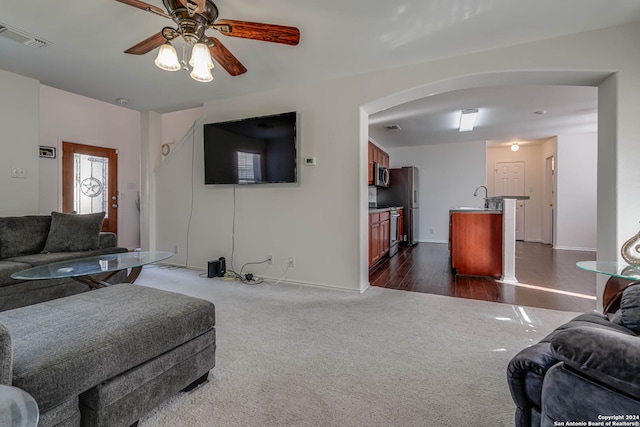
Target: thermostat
{"points": [[310, 161]]}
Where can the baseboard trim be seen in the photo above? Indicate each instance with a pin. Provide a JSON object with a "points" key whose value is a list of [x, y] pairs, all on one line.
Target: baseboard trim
{"points": [[574, 248], [432, 241]]}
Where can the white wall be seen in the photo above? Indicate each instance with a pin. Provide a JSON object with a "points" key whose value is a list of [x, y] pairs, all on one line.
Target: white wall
{"points": [[449, 174], [19, 144], [176, 124], [322, 221], [577, 192], [65, 116]]}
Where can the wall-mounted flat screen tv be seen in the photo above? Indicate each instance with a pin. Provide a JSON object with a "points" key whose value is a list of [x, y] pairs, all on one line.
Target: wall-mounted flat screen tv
{"points": [[257, 150]]}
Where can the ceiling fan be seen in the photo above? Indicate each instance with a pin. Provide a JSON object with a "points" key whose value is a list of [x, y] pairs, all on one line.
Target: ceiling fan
{"points": [[194, 17]]}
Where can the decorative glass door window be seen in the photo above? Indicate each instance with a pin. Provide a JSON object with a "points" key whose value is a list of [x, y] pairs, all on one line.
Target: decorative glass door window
{"points": [[91, 184]]}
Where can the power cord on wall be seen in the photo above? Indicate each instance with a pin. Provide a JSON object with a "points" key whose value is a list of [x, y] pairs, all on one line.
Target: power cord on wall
{"points": [[193, 149], [231, 274]]}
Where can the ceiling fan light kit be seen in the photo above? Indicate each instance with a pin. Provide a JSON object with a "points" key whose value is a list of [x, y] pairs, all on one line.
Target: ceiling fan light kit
{"points": [[193, 18], [167, 58]]}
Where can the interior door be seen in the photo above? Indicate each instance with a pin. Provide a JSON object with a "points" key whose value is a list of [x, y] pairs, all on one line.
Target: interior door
{"points": [[510, 181], [90, 182]]}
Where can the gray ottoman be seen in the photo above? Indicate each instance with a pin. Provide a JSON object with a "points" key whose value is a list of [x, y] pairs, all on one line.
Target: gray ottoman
{"points": [[107, 357]]}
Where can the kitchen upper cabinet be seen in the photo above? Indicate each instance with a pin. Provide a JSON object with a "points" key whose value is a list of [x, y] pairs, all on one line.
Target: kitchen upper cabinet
{"points": [[371, 157], [376, 155]]}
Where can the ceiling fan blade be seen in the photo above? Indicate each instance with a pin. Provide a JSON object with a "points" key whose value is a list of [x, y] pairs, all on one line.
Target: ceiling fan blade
{"points": [[147, 45], [225, 58], [197, 6], [145, 6], [257, 31]]}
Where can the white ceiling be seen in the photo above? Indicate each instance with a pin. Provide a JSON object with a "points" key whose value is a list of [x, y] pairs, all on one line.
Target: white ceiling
{"points": [[338, 38], [506, 114]]}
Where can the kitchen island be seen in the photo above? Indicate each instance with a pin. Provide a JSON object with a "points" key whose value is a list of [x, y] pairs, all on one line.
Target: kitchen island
{"points": [[475, 241], [482, 241]]}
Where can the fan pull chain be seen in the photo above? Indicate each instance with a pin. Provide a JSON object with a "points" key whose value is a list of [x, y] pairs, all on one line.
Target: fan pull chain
{"points": [[184, 59]]}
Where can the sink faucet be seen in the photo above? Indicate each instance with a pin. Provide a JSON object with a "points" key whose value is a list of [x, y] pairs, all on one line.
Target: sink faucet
{"points": [[475, 194]]}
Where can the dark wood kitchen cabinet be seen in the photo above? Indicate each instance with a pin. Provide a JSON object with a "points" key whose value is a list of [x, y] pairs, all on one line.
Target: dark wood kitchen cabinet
{"points": [[379, 236], [476, 243], [376, 155]]}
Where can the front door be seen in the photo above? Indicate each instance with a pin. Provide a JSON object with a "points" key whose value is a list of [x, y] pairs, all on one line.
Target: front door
{"points": [[90, 182], [510, 181]]}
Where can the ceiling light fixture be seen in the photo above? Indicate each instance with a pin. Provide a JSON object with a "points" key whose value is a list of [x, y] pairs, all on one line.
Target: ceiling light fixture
{"points": [[167, 58], [468, 119], [515, 147], [200, 61]]}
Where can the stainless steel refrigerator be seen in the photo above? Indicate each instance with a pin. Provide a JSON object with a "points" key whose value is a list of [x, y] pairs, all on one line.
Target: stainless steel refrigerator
{"points": [[403, 191]]}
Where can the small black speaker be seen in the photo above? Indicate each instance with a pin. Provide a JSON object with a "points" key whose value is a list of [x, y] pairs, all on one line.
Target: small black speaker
{"points": [[213, 269], [223, 266], [216, 268]]}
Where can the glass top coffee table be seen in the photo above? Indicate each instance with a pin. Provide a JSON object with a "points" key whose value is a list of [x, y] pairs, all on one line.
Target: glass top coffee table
{"points": [[17, 407], [84, 269], [622, 275]]}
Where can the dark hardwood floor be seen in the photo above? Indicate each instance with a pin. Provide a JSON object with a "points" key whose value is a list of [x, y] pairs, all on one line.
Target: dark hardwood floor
{"points": [[547, 278]]}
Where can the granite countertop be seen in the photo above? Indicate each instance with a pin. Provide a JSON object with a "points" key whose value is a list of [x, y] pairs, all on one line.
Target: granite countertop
{"points": [[508, 197], [374, 210], [475, 210]]}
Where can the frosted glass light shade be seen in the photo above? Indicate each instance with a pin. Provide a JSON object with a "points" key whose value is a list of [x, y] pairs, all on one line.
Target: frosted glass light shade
{"points": [[167, 58], [515, 146], [201, 74], [200, 56]]}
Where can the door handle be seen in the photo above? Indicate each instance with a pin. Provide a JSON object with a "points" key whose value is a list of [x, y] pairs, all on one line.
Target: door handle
{"points": [[114, 206]]}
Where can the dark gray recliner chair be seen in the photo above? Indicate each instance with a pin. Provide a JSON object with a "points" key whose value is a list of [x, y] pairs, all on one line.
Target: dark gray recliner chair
{"points": [[585, 370]]}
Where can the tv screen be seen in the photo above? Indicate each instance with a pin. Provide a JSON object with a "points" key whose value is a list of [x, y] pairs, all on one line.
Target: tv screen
{"points": [[258, 150]]}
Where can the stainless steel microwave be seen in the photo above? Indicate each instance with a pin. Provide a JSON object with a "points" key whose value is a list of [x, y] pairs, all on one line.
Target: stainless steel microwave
{"points": [[380, 175]]}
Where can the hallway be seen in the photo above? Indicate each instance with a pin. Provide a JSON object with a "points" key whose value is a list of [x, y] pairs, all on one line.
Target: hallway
{"points": [[547, 278]]}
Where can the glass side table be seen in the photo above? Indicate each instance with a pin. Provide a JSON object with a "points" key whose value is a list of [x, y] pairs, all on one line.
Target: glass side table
{"points": [[621, 276], [17, 408]]}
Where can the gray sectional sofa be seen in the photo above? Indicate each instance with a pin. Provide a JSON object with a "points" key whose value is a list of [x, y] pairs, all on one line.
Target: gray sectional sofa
{"points": [[108, 356], [586, 371], [29, 241]]}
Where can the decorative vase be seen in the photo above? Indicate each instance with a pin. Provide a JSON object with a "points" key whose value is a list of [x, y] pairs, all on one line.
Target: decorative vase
{"points": [[631, 250]]}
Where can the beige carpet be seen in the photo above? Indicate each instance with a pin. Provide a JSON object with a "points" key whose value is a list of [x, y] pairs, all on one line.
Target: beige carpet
{"points": [[299, 356]]}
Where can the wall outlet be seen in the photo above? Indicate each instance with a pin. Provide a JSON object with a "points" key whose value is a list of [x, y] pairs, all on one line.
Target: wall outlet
{"points": [[269, 259], [176, 249], [292, 262], [18, 172]]}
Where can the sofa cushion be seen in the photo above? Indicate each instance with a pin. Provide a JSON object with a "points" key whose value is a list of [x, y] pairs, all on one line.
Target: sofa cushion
{"points": [[64, 347], [71, 232], [608, 356], [23, 235], [630, 308], [7, 268]]}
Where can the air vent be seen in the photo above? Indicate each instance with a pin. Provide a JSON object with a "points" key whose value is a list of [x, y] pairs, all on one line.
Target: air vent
{"points": [[22, 37], [392, 127]]}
